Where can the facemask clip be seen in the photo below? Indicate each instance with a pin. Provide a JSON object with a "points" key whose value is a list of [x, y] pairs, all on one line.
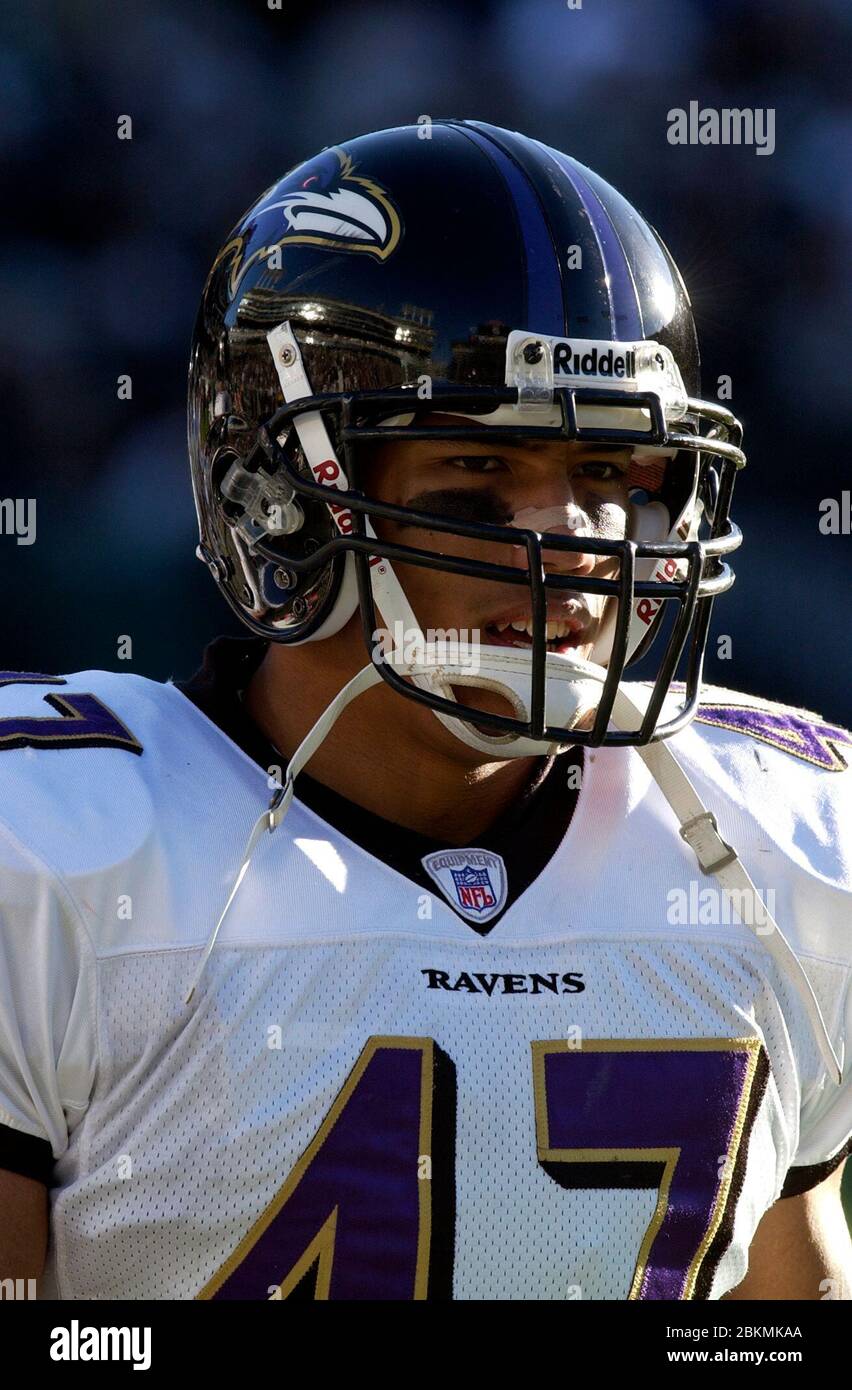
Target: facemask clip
{"points": [[531, 371]]}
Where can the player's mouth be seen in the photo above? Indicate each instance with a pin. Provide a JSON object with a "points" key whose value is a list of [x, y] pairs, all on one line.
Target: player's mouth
{"points": [[568, 627]]}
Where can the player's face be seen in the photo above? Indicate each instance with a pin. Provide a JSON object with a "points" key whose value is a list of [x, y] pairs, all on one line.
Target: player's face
{"points": [[548, 486]]}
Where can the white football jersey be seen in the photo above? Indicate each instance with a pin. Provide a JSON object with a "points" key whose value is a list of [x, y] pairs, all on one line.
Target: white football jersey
{"points": [[598, 1098]]}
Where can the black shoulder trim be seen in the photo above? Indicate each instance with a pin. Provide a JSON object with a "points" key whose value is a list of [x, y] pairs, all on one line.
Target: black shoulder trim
{"points": [[26, 1154], [799, 1180]]}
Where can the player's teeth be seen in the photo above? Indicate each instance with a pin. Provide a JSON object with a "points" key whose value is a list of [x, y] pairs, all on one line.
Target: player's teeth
{"points": [[551, 631], [501, 627], [521, 626]]}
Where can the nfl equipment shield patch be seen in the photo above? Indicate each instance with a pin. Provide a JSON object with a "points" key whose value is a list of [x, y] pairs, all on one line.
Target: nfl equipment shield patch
{"points": [[473, 881]]}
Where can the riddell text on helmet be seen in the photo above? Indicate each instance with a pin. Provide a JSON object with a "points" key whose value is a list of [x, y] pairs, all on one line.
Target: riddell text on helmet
{"points": [[568, 361]]}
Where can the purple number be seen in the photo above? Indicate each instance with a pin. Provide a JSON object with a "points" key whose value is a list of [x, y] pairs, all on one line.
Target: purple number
{"points": [[368, 1210], [29, 678], [355, 1218], [671, 1114], [84, 721]]}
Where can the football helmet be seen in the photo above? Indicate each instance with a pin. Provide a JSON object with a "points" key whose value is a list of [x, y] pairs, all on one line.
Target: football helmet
{"points": [[459, 269]]}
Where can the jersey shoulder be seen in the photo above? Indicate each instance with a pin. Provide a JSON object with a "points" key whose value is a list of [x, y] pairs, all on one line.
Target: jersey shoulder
{"points": [[97, 764], [779, 780], [800, 734], [785, 774]]}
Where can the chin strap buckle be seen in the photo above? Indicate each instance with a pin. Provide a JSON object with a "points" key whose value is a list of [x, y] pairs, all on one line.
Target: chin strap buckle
{"points": [[701, 833], [278, 806]]}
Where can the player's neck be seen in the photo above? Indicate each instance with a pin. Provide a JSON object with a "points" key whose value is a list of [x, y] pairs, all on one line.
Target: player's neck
{"points": [[383, 753]]}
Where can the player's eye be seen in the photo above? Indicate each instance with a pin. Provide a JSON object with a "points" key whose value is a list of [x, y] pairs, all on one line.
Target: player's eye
{"points": [[476, 463], [601, 471]]}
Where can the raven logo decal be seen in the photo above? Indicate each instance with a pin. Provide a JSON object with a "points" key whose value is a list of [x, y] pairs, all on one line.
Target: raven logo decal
{"points": [[337, 208]]}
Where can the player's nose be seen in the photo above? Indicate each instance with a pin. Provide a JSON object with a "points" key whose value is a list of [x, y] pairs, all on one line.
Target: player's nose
{"points": [[560, 519]]}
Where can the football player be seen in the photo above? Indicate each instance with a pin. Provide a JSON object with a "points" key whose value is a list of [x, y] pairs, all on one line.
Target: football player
{"points": [[536, 983]]}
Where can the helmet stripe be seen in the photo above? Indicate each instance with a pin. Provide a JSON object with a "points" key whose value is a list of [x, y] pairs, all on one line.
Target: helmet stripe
{"points": [[545, 312], [627, 319]]}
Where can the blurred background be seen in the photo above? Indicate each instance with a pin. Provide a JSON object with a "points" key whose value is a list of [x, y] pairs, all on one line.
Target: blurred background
{"points": [[106, 244]]}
